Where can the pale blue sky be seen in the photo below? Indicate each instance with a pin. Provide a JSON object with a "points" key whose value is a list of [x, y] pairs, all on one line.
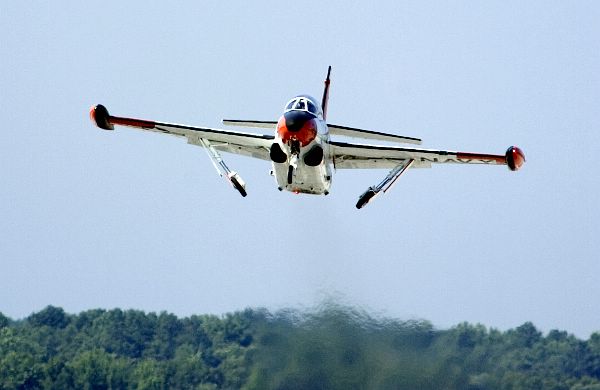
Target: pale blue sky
{"points": [[134, 220]]}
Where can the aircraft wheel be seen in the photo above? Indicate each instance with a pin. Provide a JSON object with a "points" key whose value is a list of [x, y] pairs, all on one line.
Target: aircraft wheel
{"points": [[365, 198], [238, 186], [290, 174]]}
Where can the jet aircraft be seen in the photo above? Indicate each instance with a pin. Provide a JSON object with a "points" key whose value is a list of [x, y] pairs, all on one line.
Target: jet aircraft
{"points": [[303, 151]]}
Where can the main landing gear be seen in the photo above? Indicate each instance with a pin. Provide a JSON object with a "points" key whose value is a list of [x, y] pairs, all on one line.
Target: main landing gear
{"points": [[385, 184], [222, 169]]}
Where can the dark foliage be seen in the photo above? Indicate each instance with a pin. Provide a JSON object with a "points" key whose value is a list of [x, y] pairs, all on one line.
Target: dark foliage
{"points": [[331, 348]]}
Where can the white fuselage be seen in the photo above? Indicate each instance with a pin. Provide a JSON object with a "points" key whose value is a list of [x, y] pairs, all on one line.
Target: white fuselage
{"points": [[306, 179]]}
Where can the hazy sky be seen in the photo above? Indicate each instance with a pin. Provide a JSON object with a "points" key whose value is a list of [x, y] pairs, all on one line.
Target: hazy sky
{"points": [[135, 220]]}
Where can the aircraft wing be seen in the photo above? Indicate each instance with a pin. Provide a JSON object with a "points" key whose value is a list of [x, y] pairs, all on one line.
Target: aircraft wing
{"points": [[356, 156], [247, 144]]}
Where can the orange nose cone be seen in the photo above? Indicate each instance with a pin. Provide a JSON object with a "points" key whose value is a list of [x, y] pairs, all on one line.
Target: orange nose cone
{"points": [[282, 130], [515, 158], [304, 134]]}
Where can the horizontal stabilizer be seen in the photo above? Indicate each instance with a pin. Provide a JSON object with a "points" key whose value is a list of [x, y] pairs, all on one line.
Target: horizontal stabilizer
{"points": [[368, 134], [250, 123]]}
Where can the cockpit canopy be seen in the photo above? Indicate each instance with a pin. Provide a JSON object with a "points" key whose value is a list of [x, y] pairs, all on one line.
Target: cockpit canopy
{"points": [[304, 103]]}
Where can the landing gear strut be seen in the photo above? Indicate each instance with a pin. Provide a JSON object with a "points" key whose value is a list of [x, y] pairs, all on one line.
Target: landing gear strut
{"points": [[290, 174], [385, 184], [222, 169], [295, 151]]}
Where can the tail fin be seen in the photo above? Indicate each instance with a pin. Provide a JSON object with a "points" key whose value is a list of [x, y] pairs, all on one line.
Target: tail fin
{"points": [[326, 94]]}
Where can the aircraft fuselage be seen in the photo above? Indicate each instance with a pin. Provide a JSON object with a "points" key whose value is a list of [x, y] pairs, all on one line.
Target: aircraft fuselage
{"points": [[300, 153]]}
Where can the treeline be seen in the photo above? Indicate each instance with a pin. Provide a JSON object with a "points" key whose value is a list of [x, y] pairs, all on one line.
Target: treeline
{"points": [[330, 348]]}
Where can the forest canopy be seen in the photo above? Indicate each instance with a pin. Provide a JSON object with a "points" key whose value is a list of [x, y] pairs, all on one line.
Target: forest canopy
{"points": [[333, 347]]}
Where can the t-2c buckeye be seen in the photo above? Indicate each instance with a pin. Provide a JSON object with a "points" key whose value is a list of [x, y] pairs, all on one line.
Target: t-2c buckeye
{"points": [[302, 151]]}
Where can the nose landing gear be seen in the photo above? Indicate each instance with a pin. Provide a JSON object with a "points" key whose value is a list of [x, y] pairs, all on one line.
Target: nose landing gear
{"points": [[292, 168], [295, 151]]}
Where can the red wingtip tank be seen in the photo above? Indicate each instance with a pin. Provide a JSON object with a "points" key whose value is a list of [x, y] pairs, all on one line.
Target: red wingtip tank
{"points": [[515, 158], [99, 115]]}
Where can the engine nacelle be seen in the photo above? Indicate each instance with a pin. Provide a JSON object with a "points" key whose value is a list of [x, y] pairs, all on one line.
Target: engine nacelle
{"points": [[314, 156], [277, 155], [515, 158]]}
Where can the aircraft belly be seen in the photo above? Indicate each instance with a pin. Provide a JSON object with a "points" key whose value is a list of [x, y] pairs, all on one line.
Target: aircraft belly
{"points": [[306, 179]]}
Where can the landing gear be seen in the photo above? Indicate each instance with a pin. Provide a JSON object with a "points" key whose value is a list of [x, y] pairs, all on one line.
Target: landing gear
{"points": [[366, 197], [238, 184], [290, 176], [222, 168], [295, 150], [385, 184]]}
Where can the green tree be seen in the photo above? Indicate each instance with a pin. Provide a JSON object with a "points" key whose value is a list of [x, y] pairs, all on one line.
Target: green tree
{"points": [[334, 347], [4, 321], [149, 374], [97, 369], [593, 360], [54, 317], [167, 328], [21, 361], [525, 335], [188, 370]]}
